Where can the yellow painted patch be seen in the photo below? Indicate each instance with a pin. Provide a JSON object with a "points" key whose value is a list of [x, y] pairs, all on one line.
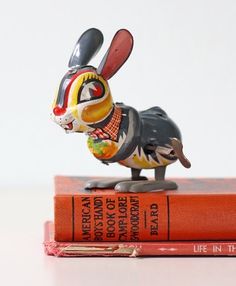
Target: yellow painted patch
{"points": [[165, 162], [83, 128], [142, 162], [98, 111]]}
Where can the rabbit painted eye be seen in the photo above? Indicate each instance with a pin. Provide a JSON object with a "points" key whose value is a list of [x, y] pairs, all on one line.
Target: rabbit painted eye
{"points": [[91, 90]]}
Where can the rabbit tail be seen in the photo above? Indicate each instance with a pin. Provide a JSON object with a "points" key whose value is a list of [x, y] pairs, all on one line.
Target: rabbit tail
{"points": [[178, 149]]}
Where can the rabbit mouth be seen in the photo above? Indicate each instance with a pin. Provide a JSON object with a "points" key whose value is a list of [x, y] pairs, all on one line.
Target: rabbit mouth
{"points": [[68, 126]]}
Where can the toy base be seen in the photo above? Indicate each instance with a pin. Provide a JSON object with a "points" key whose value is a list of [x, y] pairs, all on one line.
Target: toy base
{"points": [[145, 186], [127, 185]]}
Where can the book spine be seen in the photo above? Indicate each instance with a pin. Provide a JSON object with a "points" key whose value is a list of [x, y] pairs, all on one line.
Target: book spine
{"points": [[120, 217], [154, 249], [144, 217]]}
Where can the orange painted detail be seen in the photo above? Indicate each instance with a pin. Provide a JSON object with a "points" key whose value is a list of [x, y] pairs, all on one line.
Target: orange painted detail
{"points": [[105, 149], [98, 111], [122, 162]]}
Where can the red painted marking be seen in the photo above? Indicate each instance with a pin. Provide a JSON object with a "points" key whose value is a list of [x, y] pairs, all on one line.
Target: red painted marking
{"points": [[98, 91], [57, 110], [70, 126], [65, 104]]}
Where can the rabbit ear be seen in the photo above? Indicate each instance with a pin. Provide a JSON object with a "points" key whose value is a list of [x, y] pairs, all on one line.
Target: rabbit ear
{"points": [[119, 51], [87, 47]]}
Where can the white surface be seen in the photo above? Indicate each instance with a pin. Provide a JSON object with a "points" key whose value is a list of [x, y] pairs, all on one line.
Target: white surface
{"points": [[184, 60], [22, 261]]}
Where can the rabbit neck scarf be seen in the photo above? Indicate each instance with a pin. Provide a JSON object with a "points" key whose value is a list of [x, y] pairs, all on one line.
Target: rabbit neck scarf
{"points": [[111, 129]]}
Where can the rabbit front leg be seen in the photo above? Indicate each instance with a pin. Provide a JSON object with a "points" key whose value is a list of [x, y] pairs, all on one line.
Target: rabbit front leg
{"points": [[135, 175], [112, 183]]}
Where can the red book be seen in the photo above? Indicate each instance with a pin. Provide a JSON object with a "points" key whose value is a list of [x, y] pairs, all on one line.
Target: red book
{"points": [[201, 209], [135, 249]]}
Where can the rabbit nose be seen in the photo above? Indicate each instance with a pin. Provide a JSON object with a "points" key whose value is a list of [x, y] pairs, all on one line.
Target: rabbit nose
{"points": [[59, 110]]}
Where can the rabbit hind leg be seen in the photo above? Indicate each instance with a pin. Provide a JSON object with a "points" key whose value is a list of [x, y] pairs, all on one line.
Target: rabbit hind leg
{"points": [[148, 186]]}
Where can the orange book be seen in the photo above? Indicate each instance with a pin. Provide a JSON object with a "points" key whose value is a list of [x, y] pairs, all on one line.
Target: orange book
{"points": [[201, 209], [135, 249]]}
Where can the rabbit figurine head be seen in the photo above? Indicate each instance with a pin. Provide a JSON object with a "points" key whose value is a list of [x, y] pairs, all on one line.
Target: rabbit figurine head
{"points": [[84, 98]]}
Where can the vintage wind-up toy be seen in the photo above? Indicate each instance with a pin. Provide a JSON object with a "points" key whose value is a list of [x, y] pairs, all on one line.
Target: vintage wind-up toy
{"points": [[116, 132]]}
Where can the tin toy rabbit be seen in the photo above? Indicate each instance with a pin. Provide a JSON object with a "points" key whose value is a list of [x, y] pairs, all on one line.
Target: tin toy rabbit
{"points": [[116, 132]]}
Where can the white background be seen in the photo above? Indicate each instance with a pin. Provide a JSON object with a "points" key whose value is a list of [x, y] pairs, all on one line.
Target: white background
{"points": [[184, 60]]}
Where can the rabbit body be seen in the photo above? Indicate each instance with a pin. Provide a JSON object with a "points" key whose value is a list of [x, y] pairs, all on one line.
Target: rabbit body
{"points": [[143, 139]]}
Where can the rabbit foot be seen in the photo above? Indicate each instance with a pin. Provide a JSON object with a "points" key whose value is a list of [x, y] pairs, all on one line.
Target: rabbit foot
{"points": [[104, 183], [109, 183], [147, 186]]}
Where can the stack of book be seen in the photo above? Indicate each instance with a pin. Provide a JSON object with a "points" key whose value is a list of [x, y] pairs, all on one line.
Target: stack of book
{"points": [[197, 219]]}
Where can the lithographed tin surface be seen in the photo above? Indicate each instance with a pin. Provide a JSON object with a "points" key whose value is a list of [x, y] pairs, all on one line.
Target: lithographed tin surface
{"points": [[116, 132]]}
